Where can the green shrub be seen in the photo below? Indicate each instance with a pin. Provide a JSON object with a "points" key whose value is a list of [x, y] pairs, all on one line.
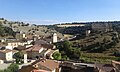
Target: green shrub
{"points": [[57, 55], [11, 68]]}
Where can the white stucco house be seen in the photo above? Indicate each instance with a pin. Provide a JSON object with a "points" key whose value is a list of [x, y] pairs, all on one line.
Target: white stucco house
{"points": [[29, 41], [12, 45], [9, 47]]}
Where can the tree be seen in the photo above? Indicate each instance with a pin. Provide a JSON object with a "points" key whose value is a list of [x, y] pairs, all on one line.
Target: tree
{"points": [[5, 31], [27, 24], [11, 68], [66, 45], [104, 40], [117, 53], [57, 55], [18, 56], [67, 51], [4, 21], [1, 70], [64, 57], [1, 18], [74, 53], [7, 70]]}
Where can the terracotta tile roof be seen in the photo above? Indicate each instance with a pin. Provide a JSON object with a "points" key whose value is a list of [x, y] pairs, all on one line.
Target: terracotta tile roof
{"points": [[35, 48], [43, 66], [39, 42], [28, 68], [50, 64], [20, 48], [38, 70], [5, 51], [105, 67], [48, 46], [44, 44]]}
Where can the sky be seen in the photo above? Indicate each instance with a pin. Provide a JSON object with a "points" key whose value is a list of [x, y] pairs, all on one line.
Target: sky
{"points": [[60, 11]]}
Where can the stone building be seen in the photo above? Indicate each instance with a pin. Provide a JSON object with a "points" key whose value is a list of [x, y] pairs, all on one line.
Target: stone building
{"points": [[105, 27]]}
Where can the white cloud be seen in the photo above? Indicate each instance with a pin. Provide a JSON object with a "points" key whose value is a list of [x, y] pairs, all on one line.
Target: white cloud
{"points": [[36, 21]]}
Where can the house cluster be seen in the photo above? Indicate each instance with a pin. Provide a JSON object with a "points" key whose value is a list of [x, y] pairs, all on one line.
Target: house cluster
{"points": [[49, 65], [67, 66], [42, 65], [38, 57], [40, 50], [113, 67], [33, 48]]}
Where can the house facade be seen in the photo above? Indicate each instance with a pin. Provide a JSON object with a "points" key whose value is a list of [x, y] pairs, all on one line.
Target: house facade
{"points": [[6, 55], [12, 45], [34, 51]]}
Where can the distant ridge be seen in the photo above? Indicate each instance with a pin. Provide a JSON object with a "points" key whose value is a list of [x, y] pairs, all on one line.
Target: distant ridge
{"points": [[89, 22]]}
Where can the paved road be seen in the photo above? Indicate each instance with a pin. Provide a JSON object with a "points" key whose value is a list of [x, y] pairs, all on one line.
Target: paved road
{"points": [[4, 66], [20, 66]]}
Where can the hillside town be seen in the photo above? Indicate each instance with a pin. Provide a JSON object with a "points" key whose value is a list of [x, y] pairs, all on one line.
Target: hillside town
{"points": [[54, 53], [59, 35]]}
